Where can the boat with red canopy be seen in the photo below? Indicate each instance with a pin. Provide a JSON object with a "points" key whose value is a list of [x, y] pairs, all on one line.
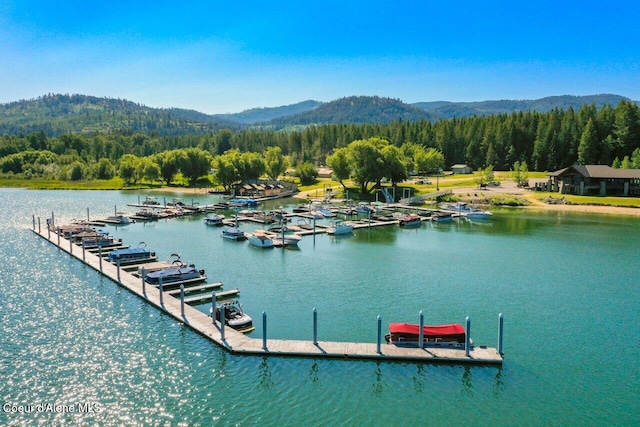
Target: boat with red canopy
{"points": [[433, 335]]}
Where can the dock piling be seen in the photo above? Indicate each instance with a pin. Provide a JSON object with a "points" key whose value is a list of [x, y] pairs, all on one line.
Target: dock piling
{"points": [[421, 331], [87, 214], [182, 300], [161, 292], [222, 322], [118, 268], [213, 307], [39, 225], [379, 339], [34, 222], [500, 333], [144, 283], [264, 330], [467, 340], [100, 256], [58, 236], [315, 326], [83, 251], [71, 246]]}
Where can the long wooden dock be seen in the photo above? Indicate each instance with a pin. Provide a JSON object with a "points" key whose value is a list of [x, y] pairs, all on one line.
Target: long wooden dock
{"points": [[238, 343]]}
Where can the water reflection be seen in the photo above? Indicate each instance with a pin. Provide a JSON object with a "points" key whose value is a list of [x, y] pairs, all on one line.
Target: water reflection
{"points": [[266, 381], [313, 372], [377, 383], [467, 382]]}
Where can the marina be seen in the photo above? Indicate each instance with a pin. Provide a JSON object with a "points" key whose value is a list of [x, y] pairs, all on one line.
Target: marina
{"points": [[238, 343], [85, 335]]}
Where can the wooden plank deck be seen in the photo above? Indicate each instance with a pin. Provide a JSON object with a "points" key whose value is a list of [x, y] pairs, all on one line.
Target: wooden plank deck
{"points": [[238, 343]]}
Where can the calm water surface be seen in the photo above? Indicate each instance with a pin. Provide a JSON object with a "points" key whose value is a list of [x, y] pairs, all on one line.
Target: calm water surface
{"points": [[568, 285]]}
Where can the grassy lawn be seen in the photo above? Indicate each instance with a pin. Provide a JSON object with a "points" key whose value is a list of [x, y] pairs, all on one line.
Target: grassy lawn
{"points": [[633, 202]]}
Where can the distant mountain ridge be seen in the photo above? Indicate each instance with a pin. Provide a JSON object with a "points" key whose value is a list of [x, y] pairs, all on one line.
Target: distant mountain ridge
{"points": [[445, 109], [357, 110], [56, 114], [266, 114]]}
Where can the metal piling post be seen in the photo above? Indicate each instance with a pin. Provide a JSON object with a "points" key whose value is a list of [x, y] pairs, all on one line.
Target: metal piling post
{"points": [[379, 339], [264, 330], [144, 283], [500, 333], [118, 269], [467, 340], [213, 307], [222, 322], [100, 256], [182, 300], [315, 326], [161, 292], [421, 332]]}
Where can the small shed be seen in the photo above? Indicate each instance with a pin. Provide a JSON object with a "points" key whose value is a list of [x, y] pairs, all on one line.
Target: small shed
{"points": [[461, 169]]}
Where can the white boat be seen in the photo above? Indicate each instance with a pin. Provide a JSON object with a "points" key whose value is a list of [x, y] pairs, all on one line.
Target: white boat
{"points": [[339, 227], [234, 316], [118, 219], [260, 239], [284, 234], [215, 220], [463, 209], [364, 208], [232, 233]]}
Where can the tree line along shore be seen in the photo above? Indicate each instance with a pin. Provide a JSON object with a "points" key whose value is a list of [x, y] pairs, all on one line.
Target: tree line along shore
{"points": [[365, 154]]}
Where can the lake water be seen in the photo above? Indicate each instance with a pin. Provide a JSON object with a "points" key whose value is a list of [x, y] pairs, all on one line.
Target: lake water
{"points": [[568, 285]]}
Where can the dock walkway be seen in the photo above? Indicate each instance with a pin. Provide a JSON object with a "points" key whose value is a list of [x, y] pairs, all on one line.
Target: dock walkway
{"points": [[240, 344]]}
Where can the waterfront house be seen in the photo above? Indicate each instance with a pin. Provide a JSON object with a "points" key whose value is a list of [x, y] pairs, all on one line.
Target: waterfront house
{"points": [[595, 180]]}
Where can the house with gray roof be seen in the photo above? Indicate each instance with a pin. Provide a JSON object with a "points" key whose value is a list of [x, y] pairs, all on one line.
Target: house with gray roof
{"points": [[595, 180]]}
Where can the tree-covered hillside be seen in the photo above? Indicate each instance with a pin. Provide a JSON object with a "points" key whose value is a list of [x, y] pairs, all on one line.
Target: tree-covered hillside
{"points": [[355, 109], [448, 110], [62, 114], [263, 115]]}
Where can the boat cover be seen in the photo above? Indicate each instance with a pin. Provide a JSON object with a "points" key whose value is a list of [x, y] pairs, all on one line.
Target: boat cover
{"points": [[454, 329]]}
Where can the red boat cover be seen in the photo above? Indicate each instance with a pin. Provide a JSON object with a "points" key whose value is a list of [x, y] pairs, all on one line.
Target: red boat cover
{"points": [[428, 330]]}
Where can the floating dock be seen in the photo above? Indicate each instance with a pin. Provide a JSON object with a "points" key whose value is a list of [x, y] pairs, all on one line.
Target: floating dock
{"points": [[240, 344]]}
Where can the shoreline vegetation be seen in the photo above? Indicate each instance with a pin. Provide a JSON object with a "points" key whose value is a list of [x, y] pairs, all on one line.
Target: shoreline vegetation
{"points": [[463, 188]]}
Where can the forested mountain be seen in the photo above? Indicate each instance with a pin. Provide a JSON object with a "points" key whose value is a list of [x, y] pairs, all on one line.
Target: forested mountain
{"points": [[447, 110], [263, 115], [81, 114], [356, 109]]}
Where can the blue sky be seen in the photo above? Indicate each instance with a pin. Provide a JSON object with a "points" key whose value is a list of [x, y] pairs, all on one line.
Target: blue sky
{"points": [[220, 56]]}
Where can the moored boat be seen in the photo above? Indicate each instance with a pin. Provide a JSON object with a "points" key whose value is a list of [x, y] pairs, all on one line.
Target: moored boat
{"points": [[339, 227], [118, 219], [442, 217], [408, 334], [175, 274], [233, 233], [234, 317], [463, 209], [260, 239], [410, 220], [214, 220], [131, 254]]}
